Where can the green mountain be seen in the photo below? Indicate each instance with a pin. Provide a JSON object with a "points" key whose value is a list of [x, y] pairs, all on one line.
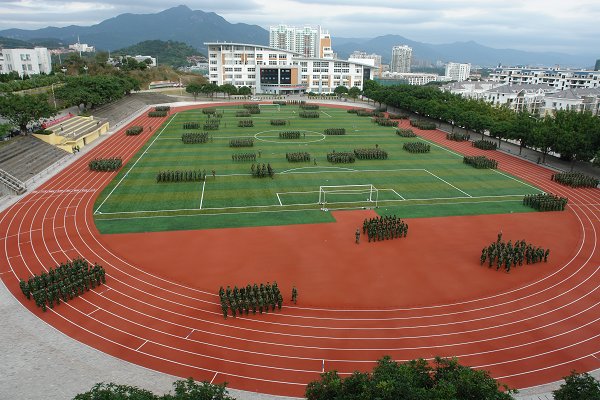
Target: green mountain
{"points": [[9, 43], [166, 53]]}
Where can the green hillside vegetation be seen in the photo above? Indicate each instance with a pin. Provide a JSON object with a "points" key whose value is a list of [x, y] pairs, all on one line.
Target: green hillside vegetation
{"points": [[167, 53], [9, 43]]}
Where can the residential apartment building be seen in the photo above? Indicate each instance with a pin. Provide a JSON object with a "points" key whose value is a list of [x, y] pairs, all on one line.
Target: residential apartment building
{"points": [[560, 79], [278, 71], [82, 48], [587, 100], [308, 41], [25, 61], [413, 78], [458, 72], [401, 59]]}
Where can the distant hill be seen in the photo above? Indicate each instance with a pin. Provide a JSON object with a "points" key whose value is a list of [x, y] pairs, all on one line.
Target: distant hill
{"points": [[168, 53], [467, 52], [9, 43], [181, 24], [178, 23]]}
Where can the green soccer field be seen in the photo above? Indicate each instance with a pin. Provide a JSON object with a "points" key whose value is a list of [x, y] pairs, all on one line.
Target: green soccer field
{"points": [[408, 185]]}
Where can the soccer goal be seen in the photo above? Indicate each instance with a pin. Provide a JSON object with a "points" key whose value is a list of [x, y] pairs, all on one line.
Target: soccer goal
{"points": [[348, 194], [269, 106]]}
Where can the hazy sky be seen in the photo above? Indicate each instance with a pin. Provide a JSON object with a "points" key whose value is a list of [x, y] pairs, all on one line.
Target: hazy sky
{"points": [[569, 26]]}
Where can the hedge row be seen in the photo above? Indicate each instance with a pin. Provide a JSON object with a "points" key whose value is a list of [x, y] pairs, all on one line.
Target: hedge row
{"points": [[194, 137], [480, 162], [180, 176], [134, 130], [105, 164], [422, 124], [417, 147], [297, 157], [243, 142], [66, 281], [335, 131]]}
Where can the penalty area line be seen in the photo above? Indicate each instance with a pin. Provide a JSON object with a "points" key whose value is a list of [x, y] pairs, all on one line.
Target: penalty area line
{"points": [[202, 196]]}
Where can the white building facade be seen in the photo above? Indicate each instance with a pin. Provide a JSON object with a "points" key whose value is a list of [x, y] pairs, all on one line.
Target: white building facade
{"points": [[309, 41], [401, 59], [25, 61], [560, 79], [371, 59], [414, 78], [277, 71], [581, 100], [82, 48], [457, 71]]}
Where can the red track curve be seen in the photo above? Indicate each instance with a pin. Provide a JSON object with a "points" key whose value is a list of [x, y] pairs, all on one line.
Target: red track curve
{"points": [[531, 333]]}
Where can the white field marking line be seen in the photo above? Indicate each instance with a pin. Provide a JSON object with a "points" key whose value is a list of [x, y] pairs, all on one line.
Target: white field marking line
{"points": [[341, 170], [514, 179], [202, 196], [594, 355], [295, 204], [135, 163], [138, 349], [213, 378], [190, 334], [20, 233], [62, 250], [93, 311], [397, 194], [448, 183], [326, 114], [5, 272], [279, 199], [103, 292]]}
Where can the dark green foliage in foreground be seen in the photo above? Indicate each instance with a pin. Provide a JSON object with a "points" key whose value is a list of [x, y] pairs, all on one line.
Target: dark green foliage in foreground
{"points": [[578, 387], [184, 390], [444, 379]]}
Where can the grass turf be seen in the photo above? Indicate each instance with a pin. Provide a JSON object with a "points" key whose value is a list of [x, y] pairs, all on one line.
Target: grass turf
{"points": [[410, 185]]}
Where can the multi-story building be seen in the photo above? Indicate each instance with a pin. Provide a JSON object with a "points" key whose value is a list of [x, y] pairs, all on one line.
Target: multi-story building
{"points": [[573, 99], [560, 79], [471, 89], [458, 72], [401, 59], [82, 48], [371, 59], [25, 61], [278, 71], [597, 66], [308, 41], [151, 61], [413, 78]]}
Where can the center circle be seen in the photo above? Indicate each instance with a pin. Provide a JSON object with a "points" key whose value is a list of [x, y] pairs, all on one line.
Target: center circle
{"points": [[257, 136]]}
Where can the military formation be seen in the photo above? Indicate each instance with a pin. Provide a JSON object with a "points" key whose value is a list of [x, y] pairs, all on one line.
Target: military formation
{"points": [[290, 135], [509, 255], [458, 137], [243, 157], [263, 171], [480, 162], [181, 176], [403, 132], [297, 157], [194, 137], [335, 131], [134, 130], [417, 147], [241, 142], [251, 298], [384, 228], [245, 123], [105, 164], [484, 144], [371, 154], [545, 202], [575, 179], [341, 157]]}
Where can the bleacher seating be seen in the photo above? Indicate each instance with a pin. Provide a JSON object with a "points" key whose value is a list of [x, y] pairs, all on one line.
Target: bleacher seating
{"points": [[25, 156]]}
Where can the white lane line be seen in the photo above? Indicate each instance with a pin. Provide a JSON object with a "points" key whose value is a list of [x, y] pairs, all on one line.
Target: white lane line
{"points": [[138, 349]]}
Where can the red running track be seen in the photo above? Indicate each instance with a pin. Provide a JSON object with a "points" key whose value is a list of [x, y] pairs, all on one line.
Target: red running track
{"points": [[417, 297]]}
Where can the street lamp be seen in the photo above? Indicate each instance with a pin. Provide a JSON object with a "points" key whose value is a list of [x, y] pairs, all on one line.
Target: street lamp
{"points": [[53, 96]]}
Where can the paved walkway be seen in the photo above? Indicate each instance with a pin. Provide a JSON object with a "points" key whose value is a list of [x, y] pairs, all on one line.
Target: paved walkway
{"points": [[39, 362]]}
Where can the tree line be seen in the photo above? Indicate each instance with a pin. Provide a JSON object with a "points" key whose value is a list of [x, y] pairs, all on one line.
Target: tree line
{"points": [[574, 135]]}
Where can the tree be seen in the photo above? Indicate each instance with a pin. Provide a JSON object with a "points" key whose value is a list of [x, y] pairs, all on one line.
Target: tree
{"points": [[443, 379], [210, 89], [578, 387], [354, 92], [21, 110], [244, 91], [340, 90], [194, 88], [228, 89]]}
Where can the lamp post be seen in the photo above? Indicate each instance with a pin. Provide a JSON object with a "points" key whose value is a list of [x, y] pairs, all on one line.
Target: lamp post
{"points": [[53, 96]]}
